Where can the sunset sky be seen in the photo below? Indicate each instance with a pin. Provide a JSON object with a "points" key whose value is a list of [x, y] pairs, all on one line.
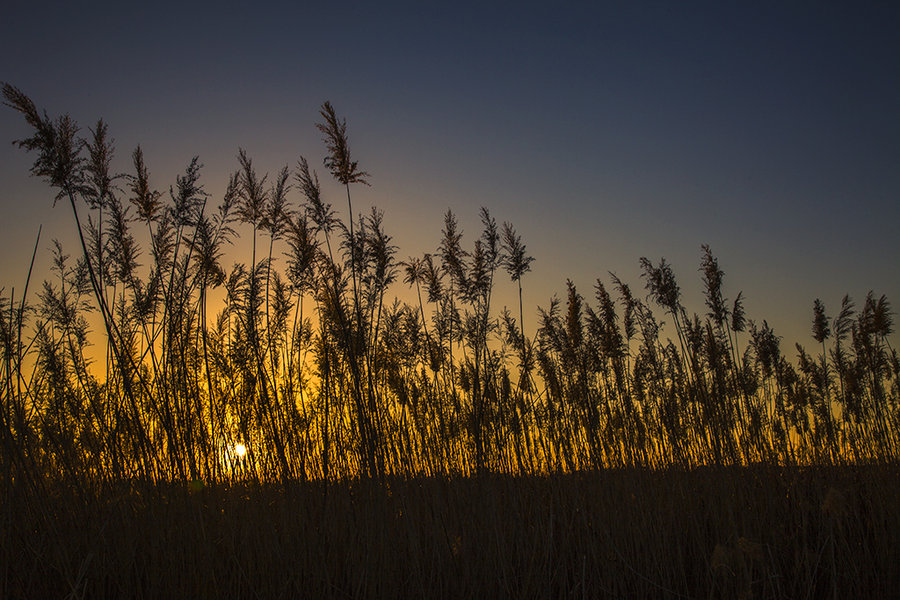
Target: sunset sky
{"points": [[603, 131]]}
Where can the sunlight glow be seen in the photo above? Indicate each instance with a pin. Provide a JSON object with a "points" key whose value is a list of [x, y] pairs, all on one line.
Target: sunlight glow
{"points": [[240, 450]]}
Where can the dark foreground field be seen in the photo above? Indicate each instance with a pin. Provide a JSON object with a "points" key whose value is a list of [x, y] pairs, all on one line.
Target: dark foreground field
{"points": [[739, 532]]}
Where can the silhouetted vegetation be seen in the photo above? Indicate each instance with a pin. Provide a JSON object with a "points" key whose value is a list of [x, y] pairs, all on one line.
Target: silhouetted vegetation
{"points": [[760, 532], [322, 375]]}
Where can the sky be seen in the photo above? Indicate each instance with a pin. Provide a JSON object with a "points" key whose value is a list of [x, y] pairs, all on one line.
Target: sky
{"points": [[604, 131]]}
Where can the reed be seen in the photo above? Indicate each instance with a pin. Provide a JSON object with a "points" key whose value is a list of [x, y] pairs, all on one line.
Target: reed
{"points": [[313, 375]]}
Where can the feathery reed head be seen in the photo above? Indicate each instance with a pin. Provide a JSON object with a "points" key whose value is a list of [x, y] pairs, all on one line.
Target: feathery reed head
{"points": [[145, 199], [338, 160], [516, 261], [59, 148], [821, 331]]}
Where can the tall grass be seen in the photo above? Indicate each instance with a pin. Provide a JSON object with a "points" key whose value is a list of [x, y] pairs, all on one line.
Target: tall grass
{"points": [[182, 448], [320, 374]]}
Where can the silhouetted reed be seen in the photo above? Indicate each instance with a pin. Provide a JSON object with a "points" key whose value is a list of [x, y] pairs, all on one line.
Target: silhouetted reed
{"points": [[318, 373], [313, 435]]}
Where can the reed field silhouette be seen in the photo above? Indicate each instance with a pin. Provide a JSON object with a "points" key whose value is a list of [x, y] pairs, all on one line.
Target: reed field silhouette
{"points": [[313, 435]]}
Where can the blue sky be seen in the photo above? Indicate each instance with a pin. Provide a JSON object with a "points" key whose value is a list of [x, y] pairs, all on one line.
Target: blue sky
{"points": [[603, 131]]}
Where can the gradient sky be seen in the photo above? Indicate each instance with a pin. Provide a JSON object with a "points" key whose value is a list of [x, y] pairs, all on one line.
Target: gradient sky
{"points": [[603, 131]]}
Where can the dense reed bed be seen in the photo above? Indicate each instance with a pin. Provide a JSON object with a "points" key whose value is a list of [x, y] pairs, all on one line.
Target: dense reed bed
{"points": [[318, 373], [314, 434]]}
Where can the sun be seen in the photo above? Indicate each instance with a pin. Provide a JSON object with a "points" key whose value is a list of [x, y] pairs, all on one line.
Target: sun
{"points": [[240, 450]]}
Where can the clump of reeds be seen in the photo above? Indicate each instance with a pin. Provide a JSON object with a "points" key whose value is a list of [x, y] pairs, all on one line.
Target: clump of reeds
{"points": [[319, 373]]}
